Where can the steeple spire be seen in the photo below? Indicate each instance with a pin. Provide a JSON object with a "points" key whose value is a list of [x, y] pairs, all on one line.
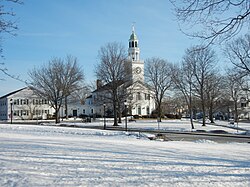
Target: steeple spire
{"points": [[133, 28], [133, 50]]}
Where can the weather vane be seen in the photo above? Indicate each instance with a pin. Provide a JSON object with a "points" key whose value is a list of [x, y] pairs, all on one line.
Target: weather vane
{"points": [[133, 27]]}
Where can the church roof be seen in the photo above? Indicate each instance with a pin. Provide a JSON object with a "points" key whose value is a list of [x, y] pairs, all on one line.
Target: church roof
{"points": [[108, 86], [133, 36]]}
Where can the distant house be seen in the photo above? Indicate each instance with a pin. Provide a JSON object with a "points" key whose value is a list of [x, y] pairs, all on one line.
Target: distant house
{"points": [[24, 104]]}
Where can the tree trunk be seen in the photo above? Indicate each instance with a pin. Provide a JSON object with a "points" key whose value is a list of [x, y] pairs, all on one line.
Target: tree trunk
{"points": [[119, 113], [57, 114], [203, 113], [191, 118], [115, 109], [236, 112], [191, 112], [211, 113], [66, 107], [159, 113], [115, 116]]}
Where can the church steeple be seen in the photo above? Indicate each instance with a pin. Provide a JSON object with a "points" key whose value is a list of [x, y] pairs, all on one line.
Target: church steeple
{"points": [[133, 50], [136, 66]]}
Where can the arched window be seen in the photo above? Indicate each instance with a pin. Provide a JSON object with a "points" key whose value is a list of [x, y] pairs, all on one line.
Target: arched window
{"points": [[136, 56], [138, 96], [133, 56], [135, 44]]}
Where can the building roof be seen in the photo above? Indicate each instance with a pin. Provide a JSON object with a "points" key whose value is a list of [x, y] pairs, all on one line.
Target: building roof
{"points": [[133, 36], [11, 93], [108, 86], [90, 96]]}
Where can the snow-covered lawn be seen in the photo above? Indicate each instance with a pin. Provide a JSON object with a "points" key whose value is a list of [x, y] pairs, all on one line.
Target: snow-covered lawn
{"points": [[58, 156], [171, 125]]}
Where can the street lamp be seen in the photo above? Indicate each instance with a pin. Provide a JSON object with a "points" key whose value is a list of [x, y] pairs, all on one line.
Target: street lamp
{"points": [[62, 112], [11, 110], [126, 113], [104, 118]]}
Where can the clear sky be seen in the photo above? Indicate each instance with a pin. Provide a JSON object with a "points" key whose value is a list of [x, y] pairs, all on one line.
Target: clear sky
{"points": [[56, 28]]}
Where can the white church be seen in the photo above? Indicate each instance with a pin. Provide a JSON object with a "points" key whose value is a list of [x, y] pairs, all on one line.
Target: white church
{"points": [[25, 104], [140, 99]]}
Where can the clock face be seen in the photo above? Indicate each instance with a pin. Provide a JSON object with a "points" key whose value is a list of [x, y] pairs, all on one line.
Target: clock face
{"points": [[138, 70]]}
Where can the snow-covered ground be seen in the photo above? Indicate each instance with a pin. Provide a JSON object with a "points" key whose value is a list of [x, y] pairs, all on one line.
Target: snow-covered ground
{"points": [[171, 125], [56, 156]]}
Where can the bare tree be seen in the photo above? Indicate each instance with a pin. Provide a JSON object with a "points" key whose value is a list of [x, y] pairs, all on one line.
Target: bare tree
{"points": [[183, 78], [112, 72], [55, 80], [81, 94], [234, 84], [202, 61], [214, 86], [216, 20], [7, 24], [158, 76], [72, 76], [238, 53]]}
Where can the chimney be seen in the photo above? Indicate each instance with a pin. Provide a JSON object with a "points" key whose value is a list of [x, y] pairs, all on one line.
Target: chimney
{"points": [[98, 84]]}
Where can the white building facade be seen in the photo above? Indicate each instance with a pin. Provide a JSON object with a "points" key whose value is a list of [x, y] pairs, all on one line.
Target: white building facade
{"points": [[24, 104]]}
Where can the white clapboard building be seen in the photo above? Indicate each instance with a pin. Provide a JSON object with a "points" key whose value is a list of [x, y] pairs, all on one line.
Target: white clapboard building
{"points": [[139, 100], [24, 104]]}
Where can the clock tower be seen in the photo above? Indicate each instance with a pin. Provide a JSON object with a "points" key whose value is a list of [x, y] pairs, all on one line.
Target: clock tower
{"points": [[136, 65]]}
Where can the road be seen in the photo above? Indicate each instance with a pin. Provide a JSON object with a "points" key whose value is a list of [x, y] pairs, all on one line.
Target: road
{"points": [[186, 136]]}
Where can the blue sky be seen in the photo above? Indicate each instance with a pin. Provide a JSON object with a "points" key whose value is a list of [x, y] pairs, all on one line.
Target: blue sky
{"points": [[56, 28]]}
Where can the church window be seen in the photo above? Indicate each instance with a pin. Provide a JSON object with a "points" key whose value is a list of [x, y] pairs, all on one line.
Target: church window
{"points": [[131, 97], [130, 45], [148, 110], [243, 104], [148, 97], [139, 110], [135, 44], [138, 96]]}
